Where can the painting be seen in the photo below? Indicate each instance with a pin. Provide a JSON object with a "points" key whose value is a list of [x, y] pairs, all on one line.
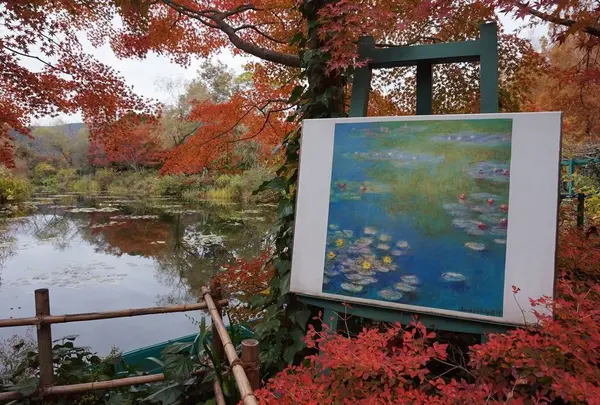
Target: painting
{"points": [[418, 213], [438, 215]]}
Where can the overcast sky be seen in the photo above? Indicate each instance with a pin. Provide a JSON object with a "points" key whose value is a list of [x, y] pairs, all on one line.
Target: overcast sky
{"points": [[144, 75]]}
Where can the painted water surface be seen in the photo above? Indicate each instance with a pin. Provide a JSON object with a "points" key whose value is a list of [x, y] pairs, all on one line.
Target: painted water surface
{"points": [[418, 213], [109, 253]]}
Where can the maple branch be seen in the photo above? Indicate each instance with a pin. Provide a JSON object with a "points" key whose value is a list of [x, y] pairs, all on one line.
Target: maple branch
{"points": [[218, 18], [29, 56], [555, 19], [267, 115], [255, 28]]}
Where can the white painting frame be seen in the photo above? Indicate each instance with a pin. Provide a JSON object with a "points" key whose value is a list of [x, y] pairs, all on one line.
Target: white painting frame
{"points": [[533, 215]]}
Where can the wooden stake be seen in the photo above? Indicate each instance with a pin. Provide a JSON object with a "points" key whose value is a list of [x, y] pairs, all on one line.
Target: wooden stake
{"points": [[241, 379], [44, 338], [251, 361]]}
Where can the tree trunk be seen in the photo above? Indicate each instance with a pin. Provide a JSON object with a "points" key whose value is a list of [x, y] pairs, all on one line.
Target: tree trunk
{"points": [[326, 88]]}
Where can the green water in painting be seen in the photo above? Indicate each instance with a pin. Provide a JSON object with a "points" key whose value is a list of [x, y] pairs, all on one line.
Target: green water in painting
{"points": [[418, 213]]}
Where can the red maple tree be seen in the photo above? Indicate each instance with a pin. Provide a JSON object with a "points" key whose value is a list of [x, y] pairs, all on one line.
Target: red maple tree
{"points": [[45, 70]]}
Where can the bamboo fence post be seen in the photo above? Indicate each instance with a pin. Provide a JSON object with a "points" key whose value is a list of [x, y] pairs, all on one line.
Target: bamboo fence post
{"points": [[219, 396], [216, 343], [44, 338], [251, 362], [241, 379]]}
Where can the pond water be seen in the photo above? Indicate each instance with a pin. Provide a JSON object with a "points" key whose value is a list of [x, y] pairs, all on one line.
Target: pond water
{"points": [[108, 253]]}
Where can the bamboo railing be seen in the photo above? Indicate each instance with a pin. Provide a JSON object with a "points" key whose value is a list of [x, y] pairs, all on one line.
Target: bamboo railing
{"points": [[44, 320]]}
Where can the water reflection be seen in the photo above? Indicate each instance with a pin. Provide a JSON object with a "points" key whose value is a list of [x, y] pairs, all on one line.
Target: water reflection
{"points": [[109, 253]]}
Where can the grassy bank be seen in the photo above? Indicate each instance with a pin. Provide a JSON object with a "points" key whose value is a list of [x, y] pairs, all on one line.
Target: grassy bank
{"points": [[140, 184]]}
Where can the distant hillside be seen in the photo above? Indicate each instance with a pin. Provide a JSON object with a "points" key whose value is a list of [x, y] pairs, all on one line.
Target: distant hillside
{"points": [[69, 129]]}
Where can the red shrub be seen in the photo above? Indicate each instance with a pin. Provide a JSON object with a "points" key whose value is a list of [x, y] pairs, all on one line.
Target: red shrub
{"points": [[556, 361]]}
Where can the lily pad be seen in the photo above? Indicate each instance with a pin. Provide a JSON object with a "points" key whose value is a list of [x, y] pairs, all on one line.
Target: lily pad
{"points": [[351, 287], [452, 277], [390, 295]]}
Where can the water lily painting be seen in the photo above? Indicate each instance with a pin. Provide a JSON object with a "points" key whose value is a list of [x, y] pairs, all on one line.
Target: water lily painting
{"points": [[418, 213]]}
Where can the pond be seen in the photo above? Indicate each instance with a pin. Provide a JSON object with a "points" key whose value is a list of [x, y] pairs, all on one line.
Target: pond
{"points": [[108, 253]]}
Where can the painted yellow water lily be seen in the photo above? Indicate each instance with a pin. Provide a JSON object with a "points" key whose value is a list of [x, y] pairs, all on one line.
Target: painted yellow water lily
{"points": [[331, 255], [339, 242], [366, 265], [387, 260]]}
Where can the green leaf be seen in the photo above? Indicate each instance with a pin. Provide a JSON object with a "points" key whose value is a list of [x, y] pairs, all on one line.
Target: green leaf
{"points": [[277, 184], [210, 402], [296, 93], [285, 208], [27, 387], [117, 399], [300, 317], [155, 360], [267, 326], [178, 367], [178, 347], [284, 283], [167, 395]]}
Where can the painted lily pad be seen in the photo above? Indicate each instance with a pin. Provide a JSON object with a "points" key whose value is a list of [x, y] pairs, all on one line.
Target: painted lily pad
{"points": [[452, 277], [405, 288], [493, 171], [370, 230], [351, 287], [385, 238], [475, 139], [475, 246], [390, 295], [410, 279], [500, 241], [383, 246], [402, 244]]}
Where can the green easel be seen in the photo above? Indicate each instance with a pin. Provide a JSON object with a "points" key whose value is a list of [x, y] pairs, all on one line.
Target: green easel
{"points": [[570, 164], [485, 51]]}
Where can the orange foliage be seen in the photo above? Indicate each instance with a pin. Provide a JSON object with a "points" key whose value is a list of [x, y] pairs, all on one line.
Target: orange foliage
{"points": [[224, 126], [132, 142], [62, 78]]}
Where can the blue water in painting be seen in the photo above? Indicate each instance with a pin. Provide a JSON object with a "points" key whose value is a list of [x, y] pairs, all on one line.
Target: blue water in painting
{"points": [[450, 275]]}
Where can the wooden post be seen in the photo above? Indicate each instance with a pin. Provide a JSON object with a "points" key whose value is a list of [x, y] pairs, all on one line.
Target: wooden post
{"points": [[580, 209], [44, 338], [251, 362], [216, 343]]}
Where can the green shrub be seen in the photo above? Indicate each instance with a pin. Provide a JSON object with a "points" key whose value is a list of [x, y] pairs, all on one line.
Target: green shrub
{"points": [[86, 185], [13, 188], [44, 170], [105, 177]]}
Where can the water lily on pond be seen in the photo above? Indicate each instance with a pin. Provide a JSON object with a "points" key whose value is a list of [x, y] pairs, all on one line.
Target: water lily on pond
{"points": [[366, 265], [339, 242], [504, 208], [387, 260], [331, 255]]}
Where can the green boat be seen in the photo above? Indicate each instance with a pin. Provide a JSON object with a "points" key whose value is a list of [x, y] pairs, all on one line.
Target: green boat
{"points": [[139, 359]]}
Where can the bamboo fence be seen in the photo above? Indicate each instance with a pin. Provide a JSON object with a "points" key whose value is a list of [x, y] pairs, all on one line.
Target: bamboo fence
{"points": [[44, 320]]}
